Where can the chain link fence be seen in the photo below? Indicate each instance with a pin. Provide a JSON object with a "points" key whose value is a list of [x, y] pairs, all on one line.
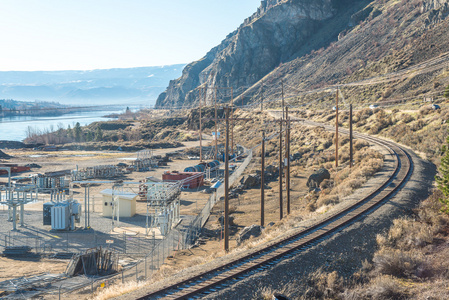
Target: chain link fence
{"points": [[153, 251]]}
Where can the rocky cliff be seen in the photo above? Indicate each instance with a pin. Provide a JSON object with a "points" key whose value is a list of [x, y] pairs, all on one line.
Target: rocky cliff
{"points": [[305, 44], [269, 37]]}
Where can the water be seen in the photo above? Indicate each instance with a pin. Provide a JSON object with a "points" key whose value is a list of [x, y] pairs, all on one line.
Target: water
{"points": [[15, 128]]}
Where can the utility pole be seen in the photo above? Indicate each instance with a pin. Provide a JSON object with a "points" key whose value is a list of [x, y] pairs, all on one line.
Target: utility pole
{"points": [[336, 130], [262, 182], [351, 153], [233, 121], [201, 129], [261, 99], [226, 210], [287, 159], [280, 171], [282, 85], [216, 133]]}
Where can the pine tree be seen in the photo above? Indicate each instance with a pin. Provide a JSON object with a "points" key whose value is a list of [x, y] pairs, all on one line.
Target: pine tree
{"points": [[69, 132], [98, 134], [443, 180], [89, 136], [77, 130]]}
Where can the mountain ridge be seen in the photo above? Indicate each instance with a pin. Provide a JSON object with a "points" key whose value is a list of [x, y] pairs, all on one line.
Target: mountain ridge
{"points": [[141, 84], [349, 41]]}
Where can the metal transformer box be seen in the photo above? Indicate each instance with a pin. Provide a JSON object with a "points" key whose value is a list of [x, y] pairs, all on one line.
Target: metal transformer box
{"points": [[60, 217]]}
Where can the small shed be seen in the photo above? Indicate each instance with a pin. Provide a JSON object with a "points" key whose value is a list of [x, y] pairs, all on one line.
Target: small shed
{"points": [[126, 203]]}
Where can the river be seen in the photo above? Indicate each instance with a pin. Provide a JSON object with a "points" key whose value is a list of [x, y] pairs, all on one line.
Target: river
{"points": [[15, 128]]}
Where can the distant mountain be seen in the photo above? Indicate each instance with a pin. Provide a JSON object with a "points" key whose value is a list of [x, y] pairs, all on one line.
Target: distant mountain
{"points": [[128, 85]]}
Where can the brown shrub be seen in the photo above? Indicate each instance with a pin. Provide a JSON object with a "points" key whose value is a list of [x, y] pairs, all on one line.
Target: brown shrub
{"points": [[425, 110], [418, 125], [326, 184], [321, 285], [355, 183], [400, 264], [407, 118], [386, 288], [327, 200], [359, 144], [408, 234]]}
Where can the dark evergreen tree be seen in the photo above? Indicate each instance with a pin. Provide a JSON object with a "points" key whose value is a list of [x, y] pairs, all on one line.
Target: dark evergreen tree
{"points": [[69, 132], [99, 134], [89, 136], [77, 130], [443, 178]]}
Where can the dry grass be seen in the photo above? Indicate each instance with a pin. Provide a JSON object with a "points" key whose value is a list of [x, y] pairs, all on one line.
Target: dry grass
{"points": [[322, 285], [344, 182], [400, 263], [411, 260], [423, 129], [119, 289]]}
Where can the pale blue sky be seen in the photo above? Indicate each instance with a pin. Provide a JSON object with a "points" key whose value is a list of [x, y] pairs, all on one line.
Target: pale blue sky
{"points": [[101, 34]]}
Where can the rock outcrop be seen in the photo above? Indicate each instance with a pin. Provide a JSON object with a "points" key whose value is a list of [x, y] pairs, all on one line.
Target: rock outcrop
{"points": [[317, 177], [305, 45], [269, 37], [248, 232]]}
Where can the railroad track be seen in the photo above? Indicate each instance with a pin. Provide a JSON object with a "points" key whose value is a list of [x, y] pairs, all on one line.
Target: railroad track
{"points": [[301, 240]]}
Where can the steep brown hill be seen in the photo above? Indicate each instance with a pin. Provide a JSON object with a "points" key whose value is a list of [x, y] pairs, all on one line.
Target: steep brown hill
{"points": [[314, 44]]}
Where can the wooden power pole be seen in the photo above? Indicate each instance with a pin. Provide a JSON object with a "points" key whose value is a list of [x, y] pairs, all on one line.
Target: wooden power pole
{"points": [[280, 172], [262, 182], [281, 204], [216, 133], [336, 130], [282, 86], [287, 159], [226, 210], [351, 153], [201, 125], [232, 123]]}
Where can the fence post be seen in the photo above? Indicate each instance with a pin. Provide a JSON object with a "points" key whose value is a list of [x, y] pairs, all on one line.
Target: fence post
{"points": [[152, 262], [158, 256], [123, 277], [152, 253], [146, 268], [137, 278], [124, 239]]}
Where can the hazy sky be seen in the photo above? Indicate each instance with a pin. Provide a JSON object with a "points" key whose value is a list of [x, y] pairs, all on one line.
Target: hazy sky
{"points": [[100, 34]]}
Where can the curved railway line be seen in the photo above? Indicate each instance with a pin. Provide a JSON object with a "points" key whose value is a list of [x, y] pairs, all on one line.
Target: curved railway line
{"points": [[294, 243]]}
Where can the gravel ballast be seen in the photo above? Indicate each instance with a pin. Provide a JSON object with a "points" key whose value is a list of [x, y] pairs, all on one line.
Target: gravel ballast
{"points": [[345, 251]]}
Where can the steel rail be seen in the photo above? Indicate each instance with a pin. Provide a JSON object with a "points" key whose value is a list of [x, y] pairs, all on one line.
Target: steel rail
{"points": [[298, 241]]}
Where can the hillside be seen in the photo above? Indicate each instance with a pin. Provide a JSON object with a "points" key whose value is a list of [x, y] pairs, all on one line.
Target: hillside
{"points": [[314, 44], [140, 85]]}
